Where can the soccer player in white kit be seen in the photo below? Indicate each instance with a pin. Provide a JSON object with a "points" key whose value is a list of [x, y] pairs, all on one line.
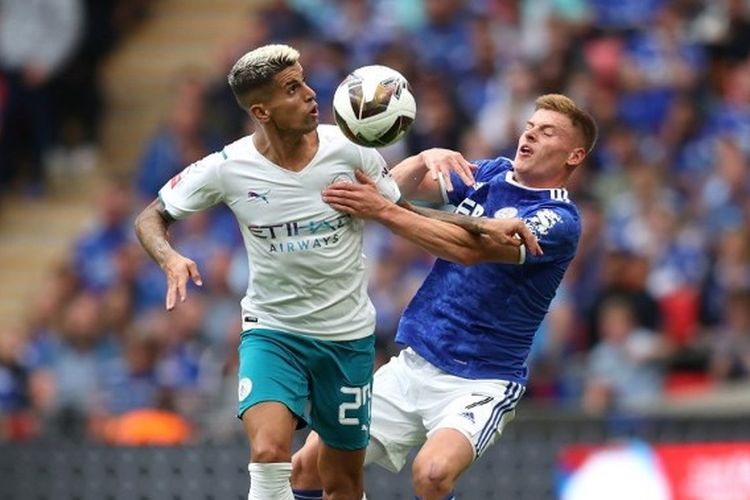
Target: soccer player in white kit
{"points": [[307, 320]]}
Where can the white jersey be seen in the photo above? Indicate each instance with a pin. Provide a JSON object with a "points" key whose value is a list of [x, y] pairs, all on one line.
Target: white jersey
{"points": [[307, 269]]}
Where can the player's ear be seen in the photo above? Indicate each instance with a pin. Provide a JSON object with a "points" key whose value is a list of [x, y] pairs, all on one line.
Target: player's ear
{"points": [[576, 157], [259, 112]]}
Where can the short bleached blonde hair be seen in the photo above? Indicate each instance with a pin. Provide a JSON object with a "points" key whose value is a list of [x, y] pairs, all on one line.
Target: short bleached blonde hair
{"points": [[259, 66], [582, 121]]}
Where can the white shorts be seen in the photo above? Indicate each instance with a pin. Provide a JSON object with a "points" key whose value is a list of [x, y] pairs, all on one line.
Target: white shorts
{"points": [[412, 399]]}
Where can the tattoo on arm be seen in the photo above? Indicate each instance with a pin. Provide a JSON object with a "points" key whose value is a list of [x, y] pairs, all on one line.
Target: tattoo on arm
{"points": [[151, 228], [471, 224]]}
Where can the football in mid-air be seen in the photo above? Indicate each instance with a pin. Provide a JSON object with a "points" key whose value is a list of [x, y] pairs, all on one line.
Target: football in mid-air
{"points": [[374, 106]]}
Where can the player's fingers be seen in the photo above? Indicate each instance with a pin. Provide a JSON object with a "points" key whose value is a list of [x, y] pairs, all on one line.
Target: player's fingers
{"points": [[434, 171], [171, 292], [343, 193], [334, 190], [339, 207], [445, 180], [363, 178], [514, 242], [346, 207], [464, 173], [340, 201], [182, 287], [194, 274], [532, 244]]}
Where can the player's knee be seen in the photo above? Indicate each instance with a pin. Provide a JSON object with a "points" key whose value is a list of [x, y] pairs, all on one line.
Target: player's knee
{"points": [[432, 478], [305, 470], [270, 452]]}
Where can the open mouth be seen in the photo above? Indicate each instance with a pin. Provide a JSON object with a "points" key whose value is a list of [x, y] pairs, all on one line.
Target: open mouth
{"points": [[525, 150], [314, 110]]}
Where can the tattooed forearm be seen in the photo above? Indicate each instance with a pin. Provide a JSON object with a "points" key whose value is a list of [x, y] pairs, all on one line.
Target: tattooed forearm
{"points": [[472, 224], [151, 228]]}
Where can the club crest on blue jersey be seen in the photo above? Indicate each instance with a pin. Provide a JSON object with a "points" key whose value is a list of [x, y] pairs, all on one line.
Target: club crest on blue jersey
{"points": [[258, 195], [506, 213]]}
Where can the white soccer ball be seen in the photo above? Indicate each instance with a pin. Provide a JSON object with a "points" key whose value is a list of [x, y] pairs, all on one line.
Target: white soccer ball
{"points": [[374, 106]]}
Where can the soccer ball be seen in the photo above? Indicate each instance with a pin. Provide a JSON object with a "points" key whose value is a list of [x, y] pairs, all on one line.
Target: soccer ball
{"points": [[374, 106]]}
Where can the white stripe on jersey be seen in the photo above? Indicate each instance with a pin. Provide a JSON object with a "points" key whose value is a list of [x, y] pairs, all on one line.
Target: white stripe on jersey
{"points": [[559, 194]]}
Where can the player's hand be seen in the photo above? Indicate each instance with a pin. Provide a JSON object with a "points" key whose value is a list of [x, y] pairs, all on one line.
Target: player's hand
{"points": [[511, 232], [361, 199], [179, 269], [441, 162]]}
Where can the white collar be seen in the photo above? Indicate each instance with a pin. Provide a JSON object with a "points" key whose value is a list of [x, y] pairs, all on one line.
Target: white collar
{"points": [[510, 180]]}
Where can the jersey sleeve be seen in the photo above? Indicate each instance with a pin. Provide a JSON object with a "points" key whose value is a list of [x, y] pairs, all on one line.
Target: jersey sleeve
{"points": [[194, 189], [374, 165], [557, 229], [486, 171]]}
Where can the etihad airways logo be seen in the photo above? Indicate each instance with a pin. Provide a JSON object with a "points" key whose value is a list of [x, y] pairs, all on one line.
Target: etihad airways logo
{"points": [[300, 228], [301, 236]]}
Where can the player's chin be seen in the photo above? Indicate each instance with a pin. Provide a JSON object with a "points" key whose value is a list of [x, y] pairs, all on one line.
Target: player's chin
{"points": [[521, 164], [310, 124], [313, 119]]}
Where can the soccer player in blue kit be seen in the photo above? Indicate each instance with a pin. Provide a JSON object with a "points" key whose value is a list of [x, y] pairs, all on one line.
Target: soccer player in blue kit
{"points": [[469, 329]]}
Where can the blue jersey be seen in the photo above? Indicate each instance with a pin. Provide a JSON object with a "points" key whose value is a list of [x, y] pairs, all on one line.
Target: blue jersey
{"points": [[479, 321]]}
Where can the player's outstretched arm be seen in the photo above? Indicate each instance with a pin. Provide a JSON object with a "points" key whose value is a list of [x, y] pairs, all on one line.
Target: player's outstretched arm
{"points": [[414, 183], [151, 228], [443, 239], [511, 232]]}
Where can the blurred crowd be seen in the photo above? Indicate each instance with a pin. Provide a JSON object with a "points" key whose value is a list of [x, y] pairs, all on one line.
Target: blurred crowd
{"points": [[656, 304], [50, 97]]}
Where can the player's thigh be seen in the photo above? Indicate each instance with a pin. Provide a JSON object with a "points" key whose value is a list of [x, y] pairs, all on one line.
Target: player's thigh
{"points": [[341, 392], [271, 369], [478, 409], [396, 425], [269, 427]]}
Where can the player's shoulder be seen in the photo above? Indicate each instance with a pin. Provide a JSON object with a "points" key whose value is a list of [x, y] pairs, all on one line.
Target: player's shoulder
{"points": [[550, 214], [334, 144], [241, 149], [491, 168], [331, 137]]}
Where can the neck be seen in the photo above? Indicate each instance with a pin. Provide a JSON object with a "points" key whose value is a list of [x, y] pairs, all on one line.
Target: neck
{"points": [[533, 182], [290, 151]]}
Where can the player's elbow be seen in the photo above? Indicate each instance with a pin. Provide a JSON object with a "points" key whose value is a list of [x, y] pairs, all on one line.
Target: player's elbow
{"points": [[143, 218], [139, 221]]}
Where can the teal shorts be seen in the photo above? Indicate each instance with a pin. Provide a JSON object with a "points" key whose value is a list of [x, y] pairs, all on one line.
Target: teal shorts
{"points": [[326, 384]]}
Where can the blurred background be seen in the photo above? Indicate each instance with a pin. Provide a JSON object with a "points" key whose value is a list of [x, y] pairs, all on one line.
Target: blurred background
{"points": [[102, 101]]}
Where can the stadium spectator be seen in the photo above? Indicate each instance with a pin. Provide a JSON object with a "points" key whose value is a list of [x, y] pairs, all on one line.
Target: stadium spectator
{"points": [[36, 38], [730, 356], [625, 369], [180, 141], [96, 250]]}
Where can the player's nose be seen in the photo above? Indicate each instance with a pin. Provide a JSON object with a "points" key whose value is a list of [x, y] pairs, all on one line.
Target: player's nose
{"points": [[310, 92]]}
